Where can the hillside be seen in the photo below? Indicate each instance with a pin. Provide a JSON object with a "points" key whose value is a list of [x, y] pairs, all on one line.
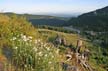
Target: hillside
{"points": [[43, 19], [96, 59], [25, 48], [93, 21], [93, 26]]}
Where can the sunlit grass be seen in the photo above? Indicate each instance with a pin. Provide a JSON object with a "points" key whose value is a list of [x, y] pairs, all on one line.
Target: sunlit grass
{"points": [[29, 54]]}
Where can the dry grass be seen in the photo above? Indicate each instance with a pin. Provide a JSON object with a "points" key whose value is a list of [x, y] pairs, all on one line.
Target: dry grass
{"points": [[70, 38]]}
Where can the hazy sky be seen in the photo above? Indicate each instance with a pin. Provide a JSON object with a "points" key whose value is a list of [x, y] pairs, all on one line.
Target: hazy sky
{"points": [[51, 6]]}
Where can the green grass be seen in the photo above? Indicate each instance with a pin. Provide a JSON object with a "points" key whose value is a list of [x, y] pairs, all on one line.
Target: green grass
{"points": [[72, 39]]}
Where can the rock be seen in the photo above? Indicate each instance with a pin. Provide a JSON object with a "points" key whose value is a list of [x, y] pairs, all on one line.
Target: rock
{"points": [[60, 40], [72, 68], [63, 41], [68, 67], [79, 45]]}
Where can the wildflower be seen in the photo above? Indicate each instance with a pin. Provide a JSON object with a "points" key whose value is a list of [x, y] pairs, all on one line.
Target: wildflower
{"points": [[45, 45], [21, 34], [15, 47], [39, 40], [25, 66], [36, 41], [39, 58], [30, 40], [57, 51], [50, 62], [35, 49], [46, 55], [40, 53], [48, 48], [41, 43], [24, 37], [14, 38], [52, 56], [30, 37]]}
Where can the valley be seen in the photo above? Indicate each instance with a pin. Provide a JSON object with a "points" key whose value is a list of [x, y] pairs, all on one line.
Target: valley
{"points": [[48, 43]]}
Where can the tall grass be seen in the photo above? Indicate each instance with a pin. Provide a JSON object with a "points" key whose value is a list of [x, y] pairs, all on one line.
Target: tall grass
{"points": [[23, 50], [30, 54]]}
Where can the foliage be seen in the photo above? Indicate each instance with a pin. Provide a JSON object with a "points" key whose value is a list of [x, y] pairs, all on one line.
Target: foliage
{"points": [[20, 44], [43, 19], [13, 25], [34, 55], [59, 29]]}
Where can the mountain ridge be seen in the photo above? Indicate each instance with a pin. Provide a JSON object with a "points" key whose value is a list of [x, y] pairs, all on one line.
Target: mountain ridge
{"points": [[42, 19], [98, 11], [92, 21]]}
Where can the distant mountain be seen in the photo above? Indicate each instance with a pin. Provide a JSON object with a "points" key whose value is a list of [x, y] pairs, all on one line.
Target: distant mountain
{"points": [[43, 19], [103, 11], [93, 21], [50, 22]]}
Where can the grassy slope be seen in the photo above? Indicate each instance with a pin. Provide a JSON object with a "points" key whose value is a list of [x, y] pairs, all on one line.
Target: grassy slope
{"points": [[9, 26], [46, 34], [72, 39]]}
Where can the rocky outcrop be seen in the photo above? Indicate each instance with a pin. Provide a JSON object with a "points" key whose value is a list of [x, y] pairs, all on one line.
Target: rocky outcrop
{"points": [[60, 40], [79, 60]]}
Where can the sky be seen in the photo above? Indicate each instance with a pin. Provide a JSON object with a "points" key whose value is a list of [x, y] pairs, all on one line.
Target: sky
{"points": [[51, 6]]}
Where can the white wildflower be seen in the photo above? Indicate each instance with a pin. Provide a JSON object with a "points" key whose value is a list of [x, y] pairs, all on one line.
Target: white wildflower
{"points": [[14, 38], [15, 47], [41, 43], [40, 53], [50, 62], [21, 34], [48, 48], [24, 37], [30, 37], [39, 40], [52, 56], [39, 58], [35, 49], [25, 66], [46, 55], [57, 51], [30, 40], [35, 41]]}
